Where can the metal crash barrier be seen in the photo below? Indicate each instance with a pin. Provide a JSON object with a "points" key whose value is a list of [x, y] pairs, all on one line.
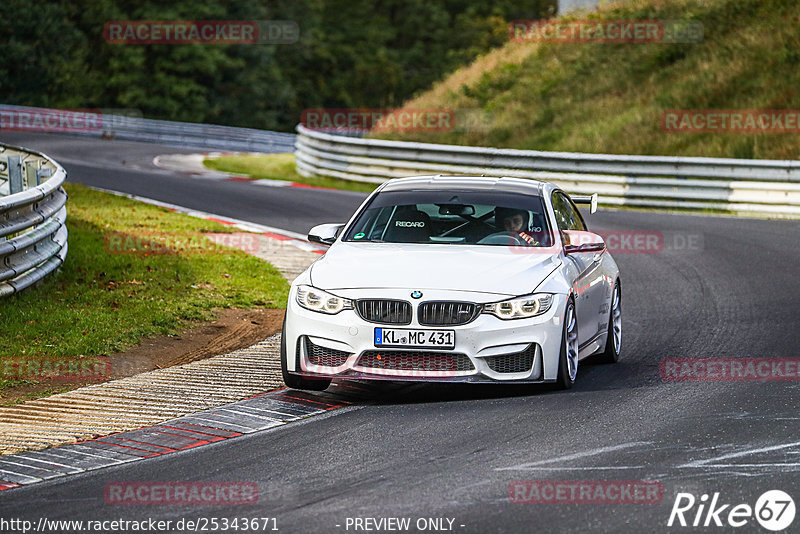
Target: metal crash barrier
{"points": [[764, 187], [33, 214]]}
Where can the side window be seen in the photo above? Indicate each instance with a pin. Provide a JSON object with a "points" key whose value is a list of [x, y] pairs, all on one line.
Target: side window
{"points": [[567, 215], [577, 220], [562, 212]]}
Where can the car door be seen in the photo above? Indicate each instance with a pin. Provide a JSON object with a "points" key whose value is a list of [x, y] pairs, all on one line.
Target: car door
{"points": [[588, 283]]}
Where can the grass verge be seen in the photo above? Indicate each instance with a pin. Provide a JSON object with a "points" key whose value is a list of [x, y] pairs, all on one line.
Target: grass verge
{"points": [[610, 98], [279, 167], [133, 271]]}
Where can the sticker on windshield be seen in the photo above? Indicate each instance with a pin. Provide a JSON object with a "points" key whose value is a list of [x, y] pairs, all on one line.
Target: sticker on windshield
{"points": [[358, 235]]}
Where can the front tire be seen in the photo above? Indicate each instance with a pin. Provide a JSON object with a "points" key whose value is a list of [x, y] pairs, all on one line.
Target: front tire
{"points": [[568, 358], [298, 382], [614, 338]]}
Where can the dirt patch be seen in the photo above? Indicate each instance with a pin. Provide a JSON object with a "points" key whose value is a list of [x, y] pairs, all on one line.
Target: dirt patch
{"points": [[232, 330]]}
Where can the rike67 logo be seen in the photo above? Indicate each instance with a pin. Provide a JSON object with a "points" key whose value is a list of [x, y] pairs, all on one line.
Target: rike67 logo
{"points": [[774, 510]]}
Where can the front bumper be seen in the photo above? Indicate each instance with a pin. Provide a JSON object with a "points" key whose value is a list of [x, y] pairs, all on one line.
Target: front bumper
{"points": [[488, 349]]}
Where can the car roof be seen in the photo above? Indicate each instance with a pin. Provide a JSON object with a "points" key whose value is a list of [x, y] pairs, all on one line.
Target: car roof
{"points": [[468, 183]]}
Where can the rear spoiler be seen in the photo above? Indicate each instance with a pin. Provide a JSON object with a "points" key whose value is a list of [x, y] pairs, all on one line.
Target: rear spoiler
{"points": [[586, 199]]}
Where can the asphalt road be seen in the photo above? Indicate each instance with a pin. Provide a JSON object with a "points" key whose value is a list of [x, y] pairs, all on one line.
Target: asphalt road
{"points": [[722, 287], [127, 166]]}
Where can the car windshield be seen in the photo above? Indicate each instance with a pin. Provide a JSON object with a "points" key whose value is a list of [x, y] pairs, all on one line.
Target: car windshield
{"points": [[453, 217]]}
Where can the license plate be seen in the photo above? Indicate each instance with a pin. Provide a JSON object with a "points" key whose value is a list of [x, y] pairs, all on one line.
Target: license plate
{"points": [[393, 337]]}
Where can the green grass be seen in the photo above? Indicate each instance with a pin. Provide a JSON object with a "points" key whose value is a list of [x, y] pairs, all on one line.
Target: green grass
{"points": [[102, 302], [280, 167], [609, 98]]}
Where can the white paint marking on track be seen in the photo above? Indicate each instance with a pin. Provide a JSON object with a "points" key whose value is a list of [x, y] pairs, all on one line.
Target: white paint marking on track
{"points": [[707, 461], [574, 456], [726, 466], [577, 468]]}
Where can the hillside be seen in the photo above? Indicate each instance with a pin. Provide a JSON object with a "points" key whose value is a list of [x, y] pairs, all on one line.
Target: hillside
{"points": [[309, 54], [609, 98]]}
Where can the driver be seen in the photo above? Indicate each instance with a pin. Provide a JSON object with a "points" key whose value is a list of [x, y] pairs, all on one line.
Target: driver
{"points": [[516, 221]]}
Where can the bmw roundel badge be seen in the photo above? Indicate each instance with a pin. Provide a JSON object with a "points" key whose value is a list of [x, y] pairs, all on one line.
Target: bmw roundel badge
{"points": [[416, 294]]}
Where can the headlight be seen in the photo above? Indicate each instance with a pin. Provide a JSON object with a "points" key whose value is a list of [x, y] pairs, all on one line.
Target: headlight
{"points": [[318, 300], [520, 307]]}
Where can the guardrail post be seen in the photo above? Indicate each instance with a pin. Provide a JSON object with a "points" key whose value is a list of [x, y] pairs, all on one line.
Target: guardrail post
{"points": [[15, 175], [31, 173], [43, 173]]}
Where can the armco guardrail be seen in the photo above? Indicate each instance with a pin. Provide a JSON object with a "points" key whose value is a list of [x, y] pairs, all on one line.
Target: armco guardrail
{"points": [[107, 124], [759, 186], [33, 213]]}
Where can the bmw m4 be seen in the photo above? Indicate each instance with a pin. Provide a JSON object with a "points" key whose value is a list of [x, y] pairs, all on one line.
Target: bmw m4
{"points": [[455, 279]]}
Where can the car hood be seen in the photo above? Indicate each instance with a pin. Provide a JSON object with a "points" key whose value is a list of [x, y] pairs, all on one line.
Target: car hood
{"points": [[489, 269]]}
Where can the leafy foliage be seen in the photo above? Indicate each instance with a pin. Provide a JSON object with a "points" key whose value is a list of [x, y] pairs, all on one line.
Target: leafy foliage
{"points": [[351, 53]]}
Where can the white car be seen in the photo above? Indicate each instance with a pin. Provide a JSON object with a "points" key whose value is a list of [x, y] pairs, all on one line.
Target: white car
{"points": [[454, 279]]}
